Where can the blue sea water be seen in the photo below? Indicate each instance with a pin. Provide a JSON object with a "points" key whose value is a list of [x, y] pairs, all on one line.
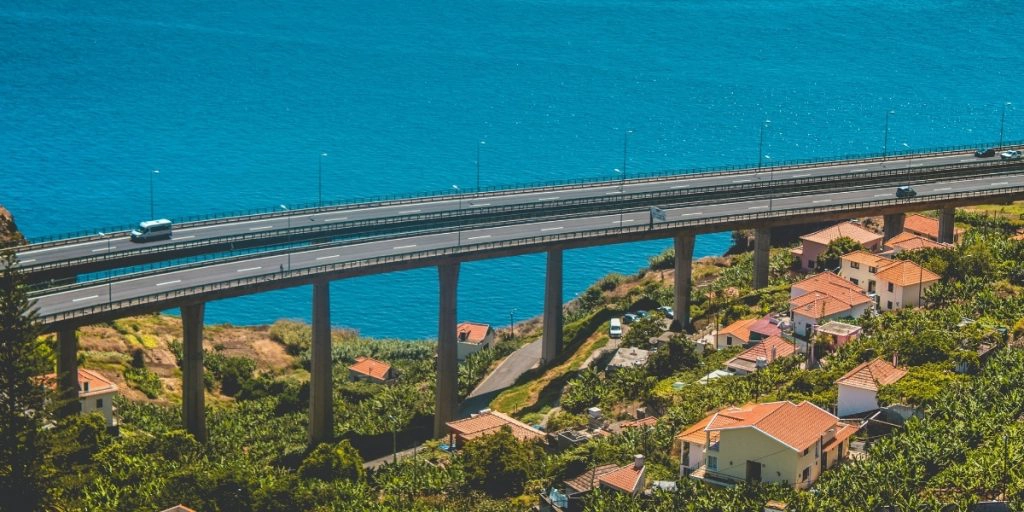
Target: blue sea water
{"points": [[234, 101]]}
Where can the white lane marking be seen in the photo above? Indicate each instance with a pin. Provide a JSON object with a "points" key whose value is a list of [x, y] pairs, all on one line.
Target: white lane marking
{"points": [[882, 195], [615, 193], [680, 186], [84, 298], [548, 192], [756, 207], [822, 201], [261, 228], [335, 219], [26, 261], [482, 205], [967, 160], [405, 246], [165, 283], [248, 269], [943, 188], [104, 248], [409, 211], [999, 183], [478, 237], [552, 229], [740, 181], [548, 198], [800, 175], [184, 237], [328, 257], [688, 214]]}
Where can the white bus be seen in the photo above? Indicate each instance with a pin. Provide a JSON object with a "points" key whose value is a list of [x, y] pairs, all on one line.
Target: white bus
{"points": [[152, 230]]}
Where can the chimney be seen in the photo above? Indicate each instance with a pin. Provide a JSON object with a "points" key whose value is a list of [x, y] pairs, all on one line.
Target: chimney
{"points": [[760, 363], [773, 353], [638, 461], [485, 411], [894, 359]]}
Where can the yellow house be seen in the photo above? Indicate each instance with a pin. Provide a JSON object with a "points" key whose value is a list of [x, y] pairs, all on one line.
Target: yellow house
{"points": [[777, 442]]}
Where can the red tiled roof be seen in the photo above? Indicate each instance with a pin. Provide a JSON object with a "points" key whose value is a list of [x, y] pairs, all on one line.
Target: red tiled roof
{"points": [[649, 421], [826, 282], [92, 380], [926, 226], [843, 229], [371, 367], [821, 305], [842, 434], [865, 258], [695, 433], [796, 426], [472, 332], [588, 480], [747, 360], [905, 273], [765, 327], [178, 508], [625, 479], [490, 422], [872, 375], [739, 328]]}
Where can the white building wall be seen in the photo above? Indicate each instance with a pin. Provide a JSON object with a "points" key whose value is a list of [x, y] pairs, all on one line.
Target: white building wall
{"points": [[853, 400], [89, 405], [696, 456], [862, 275], [800, 321], [463, 350]]}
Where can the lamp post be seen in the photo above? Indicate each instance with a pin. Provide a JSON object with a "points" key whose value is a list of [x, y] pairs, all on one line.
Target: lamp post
{"points": [[512, 323], [459, 192], [151, 209], [478, 164], [885, 143], [285, 208], [394, 439], [109, 287], [1002, 122], [320, 180]]}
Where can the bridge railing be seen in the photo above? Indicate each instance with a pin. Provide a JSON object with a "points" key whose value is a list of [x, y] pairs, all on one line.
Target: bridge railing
{"points": [[393, 199], [195, 292]]}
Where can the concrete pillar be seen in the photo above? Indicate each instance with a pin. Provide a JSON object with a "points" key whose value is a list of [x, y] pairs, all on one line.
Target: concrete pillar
{"points": [[192, 389], [321, 388], [762, 256], [551, 345], [447, 364], [892, 225], [946, 225], [684, 263], [67, 372]]}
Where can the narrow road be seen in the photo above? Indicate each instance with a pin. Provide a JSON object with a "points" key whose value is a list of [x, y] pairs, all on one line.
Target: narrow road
{"points": [[504, 376]]}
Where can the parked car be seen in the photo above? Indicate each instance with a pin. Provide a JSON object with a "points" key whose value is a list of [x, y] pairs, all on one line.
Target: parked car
{"points": [[667, 311], [985, 153], [905, 191], [629, 318], [641, 314], [1012, 154]]}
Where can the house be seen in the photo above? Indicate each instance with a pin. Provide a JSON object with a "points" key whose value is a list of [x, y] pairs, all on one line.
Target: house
{"points": [[489, 422], [858, 388], [840, 332], [860, 267], [627, 358], [372, 370], [628, 479], [95, 393], [178, 508], [903, 283], [826, 282], [472, 337], [570, 498], [760, 355], [691, 445], [777, 442], [814, 244], [907, 241], [824, 297], [928, 227], [746, 331]]}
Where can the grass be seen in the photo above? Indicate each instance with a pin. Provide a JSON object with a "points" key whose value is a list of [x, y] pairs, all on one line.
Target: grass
{"points": [[1013, 211]]}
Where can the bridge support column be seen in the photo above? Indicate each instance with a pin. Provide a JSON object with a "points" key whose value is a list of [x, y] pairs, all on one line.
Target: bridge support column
{"points": [[447, 363], [762, 256], [551, 345], [321, 391], [684, 263], [892, 225], [193, 391], [946, 225], [67, 372]]}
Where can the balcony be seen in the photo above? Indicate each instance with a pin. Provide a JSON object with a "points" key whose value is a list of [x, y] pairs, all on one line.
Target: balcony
{"points": [[713, 447], [715, 478]]}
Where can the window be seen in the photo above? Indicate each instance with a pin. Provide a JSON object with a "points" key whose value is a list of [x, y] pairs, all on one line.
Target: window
{"points": [[99, 403], [807, 450], [855, 281], [713, 463], [888, 304], [728, 340], [854, 264], [872, 270], [891, 287], [806, 474], [810, 263]]}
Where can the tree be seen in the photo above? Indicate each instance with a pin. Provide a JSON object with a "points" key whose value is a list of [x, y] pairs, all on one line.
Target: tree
{"points": [[22, 408], [329, 461], [836, 249], [499, 464], [678, 354]]}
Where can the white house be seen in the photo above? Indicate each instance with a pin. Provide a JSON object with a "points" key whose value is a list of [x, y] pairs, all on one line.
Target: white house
{"points": [[472, 337], [858, 389], [95, 393], [861, 267], [902, 284]]}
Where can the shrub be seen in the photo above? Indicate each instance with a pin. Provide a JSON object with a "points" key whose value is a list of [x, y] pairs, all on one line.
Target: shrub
{"points": [[143, 380]]}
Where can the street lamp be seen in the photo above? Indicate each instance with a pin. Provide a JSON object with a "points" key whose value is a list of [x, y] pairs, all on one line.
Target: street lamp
{"points": [[289, 243], [155, 172], [512, 323], [320, 180], [109, 288], [885, 143], [394, 439], [459, 192], [478, 164], [1002, 121]]}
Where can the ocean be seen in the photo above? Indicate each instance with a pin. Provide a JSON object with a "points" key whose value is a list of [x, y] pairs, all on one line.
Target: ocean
{"points": [[234, 102]]}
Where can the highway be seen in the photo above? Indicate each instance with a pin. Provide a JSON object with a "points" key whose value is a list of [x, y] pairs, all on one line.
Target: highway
{"points": [[95, 253], [470, 240]]}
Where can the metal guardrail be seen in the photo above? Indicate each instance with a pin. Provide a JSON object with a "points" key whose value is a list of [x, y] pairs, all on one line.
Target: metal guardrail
{"points": [[384, 261], [388, 200]]}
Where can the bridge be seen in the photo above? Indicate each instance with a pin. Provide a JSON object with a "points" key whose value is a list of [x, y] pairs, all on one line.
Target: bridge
{"points": [[317, 245]]}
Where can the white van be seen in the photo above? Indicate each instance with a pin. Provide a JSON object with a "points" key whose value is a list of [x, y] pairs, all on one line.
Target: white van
{"points": [[152, 230], [615, 328]]}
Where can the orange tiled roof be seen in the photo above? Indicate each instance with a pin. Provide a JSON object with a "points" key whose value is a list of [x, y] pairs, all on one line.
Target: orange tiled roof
{"points": [[179, 508], [472, 332], [865, 258], [740, 328], [926, 226], [872, 375], [371, 367], [588, 480], [847, 229], [909, 241], [821, 305], [747, 360], [843, 433], [826, 282], [649, 421], [695, 433], [905, 273], [92, 380], [490, 422], [624, 479], [796, 426]]}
